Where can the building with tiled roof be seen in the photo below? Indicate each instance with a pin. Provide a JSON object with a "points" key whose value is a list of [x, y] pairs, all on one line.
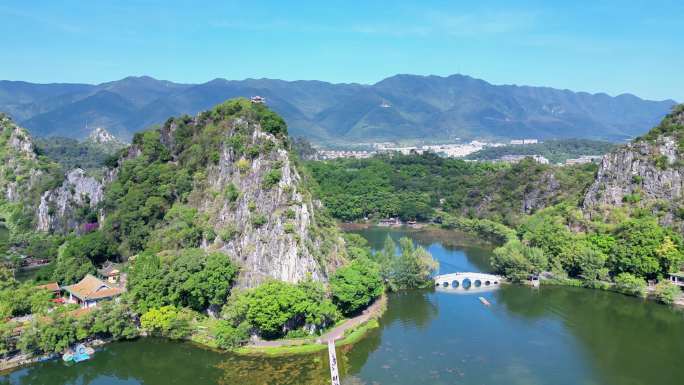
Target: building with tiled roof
{"points": [[52, 287], [110, 271], [90, 291]]}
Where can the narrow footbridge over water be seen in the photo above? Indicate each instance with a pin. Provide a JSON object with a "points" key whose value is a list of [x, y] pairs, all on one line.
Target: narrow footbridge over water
{"points": [[463, 281]]}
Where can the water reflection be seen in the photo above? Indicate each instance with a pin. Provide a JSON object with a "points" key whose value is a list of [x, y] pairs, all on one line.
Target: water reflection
{"points": [[627, 340]]}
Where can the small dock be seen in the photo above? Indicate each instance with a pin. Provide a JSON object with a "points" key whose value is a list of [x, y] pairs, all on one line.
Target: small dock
{"points": [[332, 355]]}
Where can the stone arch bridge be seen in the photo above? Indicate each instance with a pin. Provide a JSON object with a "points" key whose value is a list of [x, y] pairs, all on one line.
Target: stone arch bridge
{"points": [[464, 281]]}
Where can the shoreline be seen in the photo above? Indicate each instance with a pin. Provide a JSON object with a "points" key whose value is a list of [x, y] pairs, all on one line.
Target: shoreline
{"points": [[350, 331]]}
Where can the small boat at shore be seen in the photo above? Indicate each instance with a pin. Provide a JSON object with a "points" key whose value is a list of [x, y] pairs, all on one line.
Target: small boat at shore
{"points": [[79, 354]]}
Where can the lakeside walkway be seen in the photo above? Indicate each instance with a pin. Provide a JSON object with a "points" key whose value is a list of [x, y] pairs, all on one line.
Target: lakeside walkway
{"points": [[333, 334]]}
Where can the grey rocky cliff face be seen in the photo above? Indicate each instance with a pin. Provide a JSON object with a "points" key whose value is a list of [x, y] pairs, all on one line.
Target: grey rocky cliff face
{"points": [[542, 194], [21, 149], [632, 169], [288, 246], [57, 211]]}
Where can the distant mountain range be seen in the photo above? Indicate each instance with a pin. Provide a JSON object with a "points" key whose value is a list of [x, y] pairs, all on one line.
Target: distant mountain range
{"points": [[399, 107]]}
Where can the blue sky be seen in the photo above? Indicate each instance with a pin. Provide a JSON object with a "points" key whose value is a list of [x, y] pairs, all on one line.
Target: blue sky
{"points": [[595, 46]]}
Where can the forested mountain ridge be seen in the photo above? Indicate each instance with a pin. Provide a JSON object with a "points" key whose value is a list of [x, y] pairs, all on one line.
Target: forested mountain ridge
{"points": [[399, 107]]}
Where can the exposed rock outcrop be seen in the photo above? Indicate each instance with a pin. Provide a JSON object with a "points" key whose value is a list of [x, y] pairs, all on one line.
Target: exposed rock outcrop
{"points": [[67, 207], [646, 173], [285, 246], [541, 194], [101, 136], [22, 171], [252, 202], [632, 169]]}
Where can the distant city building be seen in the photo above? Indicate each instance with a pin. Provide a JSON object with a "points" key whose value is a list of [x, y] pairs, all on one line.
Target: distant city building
{"points": [[584, 159], [451, 150], [517, 158], [524, 141], [334, 154], [384, 104]]}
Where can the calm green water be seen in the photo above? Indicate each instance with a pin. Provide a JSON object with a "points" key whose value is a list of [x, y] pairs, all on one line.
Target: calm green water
{"points": [[548, 336]]}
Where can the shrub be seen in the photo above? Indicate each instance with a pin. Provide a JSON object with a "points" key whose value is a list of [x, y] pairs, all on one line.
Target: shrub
{"points": [[662, 162], [259, 220], [237, 143], [667, 292], [252, 152], [630, 284], [232, 193], [229, 337], [272, 122], [272, 178], [290, 214], [632, 198], [243, 165], [289, 228], [228, 233]]}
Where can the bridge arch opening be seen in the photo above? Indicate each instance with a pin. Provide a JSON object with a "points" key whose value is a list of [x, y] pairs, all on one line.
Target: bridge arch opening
{"points": [[455, 284], [478, 283], [487, 283], [466, 283], [445, 284]]}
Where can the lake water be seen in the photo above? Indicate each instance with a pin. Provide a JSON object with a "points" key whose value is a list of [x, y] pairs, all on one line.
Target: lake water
{"points": [[552, 335]]}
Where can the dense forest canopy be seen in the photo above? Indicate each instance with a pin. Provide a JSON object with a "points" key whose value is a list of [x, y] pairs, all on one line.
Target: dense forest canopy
{"points": [[414, 187]]}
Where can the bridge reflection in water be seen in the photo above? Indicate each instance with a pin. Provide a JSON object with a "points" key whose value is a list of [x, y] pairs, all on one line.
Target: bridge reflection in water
{"points": [[467, 282]]}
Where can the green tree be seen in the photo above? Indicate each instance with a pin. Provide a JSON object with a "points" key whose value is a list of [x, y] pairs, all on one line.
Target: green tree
{"points": [[167, 321], [645, 249], [630, 284], [95, 246], [71, 268], [412, 267], [357, 246], [518, 261], [178, 230], [356, 285], [228, 336], [667, 292]]}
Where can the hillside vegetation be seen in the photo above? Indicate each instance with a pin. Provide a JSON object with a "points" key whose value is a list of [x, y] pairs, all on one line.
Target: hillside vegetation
{"points": [[419, 187]]}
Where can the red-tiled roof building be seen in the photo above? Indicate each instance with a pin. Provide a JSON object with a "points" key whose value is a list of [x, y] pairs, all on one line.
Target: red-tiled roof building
{"points": [[90, 291]]}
